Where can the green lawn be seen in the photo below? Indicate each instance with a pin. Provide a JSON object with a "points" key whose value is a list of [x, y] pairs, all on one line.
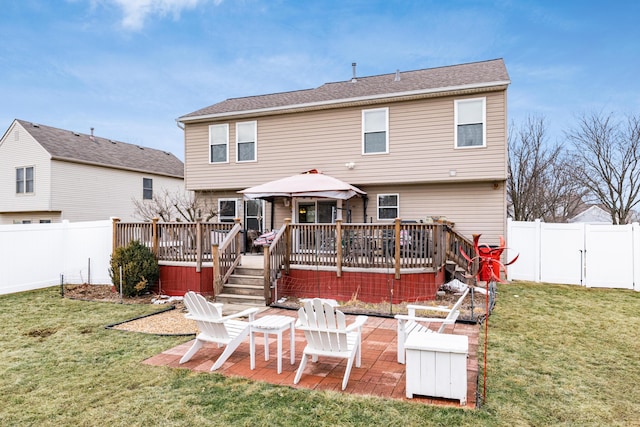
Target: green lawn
{"points": [[558, 355]]}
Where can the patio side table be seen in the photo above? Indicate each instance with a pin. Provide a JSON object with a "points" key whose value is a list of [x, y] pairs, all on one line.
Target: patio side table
{"points": [[272, 324]]}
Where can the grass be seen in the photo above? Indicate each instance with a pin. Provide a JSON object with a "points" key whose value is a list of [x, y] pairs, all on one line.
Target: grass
{"points": [[558, 355]]}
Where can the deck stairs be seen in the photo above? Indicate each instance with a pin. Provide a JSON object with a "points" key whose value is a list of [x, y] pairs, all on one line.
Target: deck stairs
{"points": [[245, 286]]}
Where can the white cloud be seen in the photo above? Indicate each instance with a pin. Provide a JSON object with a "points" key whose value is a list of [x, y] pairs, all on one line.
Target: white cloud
{"points": [[137, 11]]}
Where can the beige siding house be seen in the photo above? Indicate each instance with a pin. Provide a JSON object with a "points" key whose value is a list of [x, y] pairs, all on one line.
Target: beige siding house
{"points": [[50, 175], [421, 144]]}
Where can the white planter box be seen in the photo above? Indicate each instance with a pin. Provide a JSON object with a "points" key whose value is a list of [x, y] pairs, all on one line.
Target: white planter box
{"points": [[437, 365]]}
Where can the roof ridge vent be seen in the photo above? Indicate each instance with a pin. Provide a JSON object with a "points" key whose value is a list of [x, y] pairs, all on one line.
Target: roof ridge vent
{"points": [[76, 133]]}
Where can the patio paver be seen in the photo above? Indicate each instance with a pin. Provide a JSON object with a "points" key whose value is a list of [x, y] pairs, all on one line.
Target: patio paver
{"points": [[379, 374]]}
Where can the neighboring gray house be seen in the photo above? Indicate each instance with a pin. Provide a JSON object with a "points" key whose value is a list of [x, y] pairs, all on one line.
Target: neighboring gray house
{"points": [[49, 175]]}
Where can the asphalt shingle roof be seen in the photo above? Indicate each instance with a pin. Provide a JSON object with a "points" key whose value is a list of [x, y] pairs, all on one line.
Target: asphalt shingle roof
{"points": [[73, 146], [431, 79]]}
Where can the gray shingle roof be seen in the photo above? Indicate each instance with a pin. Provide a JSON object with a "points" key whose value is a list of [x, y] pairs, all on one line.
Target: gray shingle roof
{"points": [[476, 74], [78, 147]]}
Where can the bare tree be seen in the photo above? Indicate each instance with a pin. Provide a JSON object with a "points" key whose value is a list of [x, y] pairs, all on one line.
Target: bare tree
{"points": [[540, 184], [607, 161], [180, 206]]}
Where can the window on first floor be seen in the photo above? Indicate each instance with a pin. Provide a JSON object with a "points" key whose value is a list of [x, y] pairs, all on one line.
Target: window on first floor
{"points": [[227, 210], [24, 180], [246, 139], [388, 206], [470, 118], [147, 188], [219, 143], [375, 135]]}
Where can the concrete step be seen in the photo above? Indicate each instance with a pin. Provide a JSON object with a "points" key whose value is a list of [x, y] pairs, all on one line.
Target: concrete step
{"points": [[249, 300]]}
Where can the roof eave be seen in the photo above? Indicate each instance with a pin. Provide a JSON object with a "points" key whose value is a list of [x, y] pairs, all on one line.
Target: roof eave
{"points": [[104, 165], [396, 96]]}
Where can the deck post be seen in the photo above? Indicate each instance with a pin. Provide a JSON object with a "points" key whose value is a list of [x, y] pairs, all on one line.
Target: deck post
{"points": [[397, 248], [339, 247], [217, 278], [238, 239], [114, 235], [267, 275], [287, 247], [199, 248], [154, 235]]}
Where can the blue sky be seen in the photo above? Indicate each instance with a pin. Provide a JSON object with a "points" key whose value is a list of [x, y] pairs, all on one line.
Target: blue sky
{"points": [[129, 68]]}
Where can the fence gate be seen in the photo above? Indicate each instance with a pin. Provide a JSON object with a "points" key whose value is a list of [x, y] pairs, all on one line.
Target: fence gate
{"points": [[561, 251]]}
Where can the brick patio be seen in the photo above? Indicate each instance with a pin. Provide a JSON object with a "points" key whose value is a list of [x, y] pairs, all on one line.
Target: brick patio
{"points": [[379, 374]]}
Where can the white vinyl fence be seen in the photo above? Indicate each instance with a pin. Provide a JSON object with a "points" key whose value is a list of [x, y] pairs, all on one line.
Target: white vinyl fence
{"points": [[592, 255], [34, 256]]}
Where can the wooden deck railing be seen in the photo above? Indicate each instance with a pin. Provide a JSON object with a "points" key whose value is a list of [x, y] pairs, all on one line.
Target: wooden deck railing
{"points": [[393, 246]]}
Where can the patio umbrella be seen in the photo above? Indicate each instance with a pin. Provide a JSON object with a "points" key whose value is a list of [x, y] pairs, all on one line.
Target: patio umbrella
{"points": [[312, 183]]}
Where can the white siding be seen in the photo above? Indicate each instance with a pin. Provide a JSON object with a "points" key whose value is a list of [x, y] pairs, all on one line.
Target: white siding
{"points": [[19, 149], [89, 193]]}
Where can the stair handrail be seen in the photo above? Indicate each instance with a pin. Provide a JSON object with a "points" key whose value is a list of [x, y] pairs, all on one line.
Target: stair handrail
{"points": [[275, 256], [455, 243], [226, 257]]}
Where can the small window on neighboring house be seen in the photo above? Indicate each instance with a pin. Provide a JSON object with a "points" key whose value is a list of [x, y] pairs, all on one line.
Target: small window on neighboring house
{"points": [[246, 138], [470, 122], [219, 143], [45, 221], [388, 206], [227, 210], [375, 135], [147, 188], [24, 180]]}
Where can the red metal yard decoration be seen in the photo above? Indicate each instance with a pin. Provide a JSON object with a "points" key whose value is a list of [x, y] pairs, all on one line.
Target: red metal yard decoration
{"points": [[489, 269]]}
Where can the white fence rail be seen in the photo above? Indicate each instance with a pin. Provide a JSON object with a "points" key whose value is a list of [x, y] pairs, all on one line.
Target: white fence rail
{"points": [[34, 256], [592, 255]]}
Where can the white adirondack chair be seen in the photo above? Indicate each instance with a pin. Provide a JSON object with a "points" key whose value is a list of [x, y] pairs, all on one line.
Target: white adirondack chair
{"points": [[215, 328], [409, 323], [327, 334]]}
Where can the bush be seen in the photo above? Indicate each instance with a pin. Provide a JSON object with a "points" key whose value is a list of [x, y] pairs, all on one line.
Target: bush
{"points": [[140, 269]]}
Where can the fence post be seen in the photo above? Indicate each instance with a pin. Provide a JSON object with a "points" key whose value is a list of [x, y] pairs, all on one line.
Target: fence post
{"points": [[267, 275], [154, 236], [114, 235], [339, 247]]}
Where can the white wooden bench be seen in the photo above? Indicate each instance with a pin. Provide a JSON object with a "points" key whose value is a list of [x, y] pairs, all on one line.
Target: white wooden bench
{"points": [[411, 323]]}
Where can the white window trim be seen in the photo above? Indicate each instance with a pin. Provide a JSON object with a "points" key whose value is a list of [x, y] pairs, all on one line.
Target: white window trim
{"points": [[255, 142], [484, 122], [144, 188], [235, 201], [25, 192], [386, 142], [226, 126], [378, 206]]}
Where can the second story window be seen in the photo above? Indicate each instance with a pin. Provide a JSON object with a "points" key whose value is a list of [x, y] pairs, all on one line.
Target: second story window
{"points": [[219, 143], [375, 131], [388, 206], [147, 189], [246, 138], [24, 180], [470, 122]]}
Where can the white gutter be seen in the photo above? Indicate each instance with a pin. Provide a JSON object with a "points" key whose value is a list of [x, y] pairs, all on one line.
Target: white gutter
{"points": [[184, 119]]}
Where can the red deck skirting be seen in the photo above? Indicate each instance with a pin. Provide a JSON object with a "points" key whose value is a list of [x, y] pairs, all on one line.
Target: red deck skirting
{"points": [[177, 280]]}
